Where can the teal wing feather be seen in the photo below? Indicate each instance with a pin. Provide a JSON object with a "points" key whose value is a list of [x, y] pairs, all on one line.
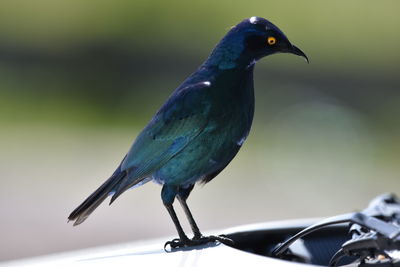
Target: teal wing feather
{"points": [[183, 117]]}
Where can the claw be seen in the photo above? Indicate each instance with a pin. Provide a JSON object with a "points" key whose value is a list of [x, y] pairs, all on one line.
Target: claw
{"points": [[174, 243]]}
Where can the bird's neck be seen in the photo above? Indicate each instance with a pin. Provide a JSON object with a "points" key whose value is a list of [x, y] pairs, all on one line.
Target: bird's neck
{"points": [[226, 57], [227, 80]]}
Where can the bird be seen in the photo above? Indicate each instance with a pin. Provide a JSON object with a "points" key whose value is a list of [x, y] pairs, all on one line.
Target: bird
{"points": [[199, 129]]}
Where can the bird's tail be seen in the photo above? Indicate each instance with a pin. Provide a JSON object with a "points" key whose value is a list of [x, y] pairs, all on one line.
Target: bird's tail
{"points": [[83, 211]]}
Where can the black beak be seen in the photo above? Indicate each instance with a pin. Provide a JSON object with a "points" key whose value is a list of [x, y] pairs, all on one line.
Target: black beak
{"points": [[296, 51]]}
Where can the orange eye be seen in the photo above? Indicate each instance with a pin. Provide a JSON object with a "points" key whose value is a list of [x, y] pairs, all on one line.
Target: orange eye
{"points": [[271, 40]]}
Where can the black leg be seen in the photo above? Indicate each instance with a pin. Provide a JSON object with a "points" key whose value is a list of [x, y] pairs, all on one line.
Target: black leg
{"points": [[189, 216], [168, 195], [182, 236], [198, 238]]}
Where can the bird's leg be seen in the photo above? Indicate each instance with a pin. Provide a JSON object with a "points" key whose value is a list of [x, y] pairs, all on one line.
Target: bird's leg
{"points": [[183, 194], [189, 216], [198, 238], [168, 194], [182, 236]]}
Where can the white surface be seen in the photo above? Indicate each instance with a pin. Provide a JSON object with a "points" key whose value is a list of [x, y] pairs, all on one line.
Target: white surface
{"points": [[152, 255]]}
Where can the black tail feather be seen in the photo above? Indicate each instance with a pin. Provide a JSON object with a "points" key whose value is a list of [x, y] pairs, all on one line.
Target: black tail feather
{"points": [[80, 214]]}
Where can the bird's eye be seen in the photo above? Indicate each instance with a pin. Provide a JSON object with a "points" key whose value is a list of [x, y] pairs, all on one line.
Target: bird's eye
{"points": [[271, 40]]}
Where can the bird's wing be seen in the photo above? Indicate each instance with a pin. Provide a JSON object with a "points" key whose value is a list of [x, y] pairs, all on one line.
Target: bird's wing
{"points": [[179, 121]]}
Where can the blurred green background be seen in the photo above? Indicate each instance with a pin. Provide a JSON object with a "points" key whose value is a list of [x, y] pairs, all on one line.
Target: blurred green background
{"points": [[79, 79]]}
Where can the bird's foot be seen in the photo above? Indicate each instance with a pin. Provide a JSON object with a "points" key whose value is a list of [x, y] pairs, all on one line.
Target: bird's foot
{"points": [[197, 241]]}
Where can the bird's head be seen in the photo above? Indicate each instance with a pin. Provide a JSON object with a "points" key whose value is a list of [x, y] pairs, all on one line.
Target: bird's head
{"points": [[249, 41]]}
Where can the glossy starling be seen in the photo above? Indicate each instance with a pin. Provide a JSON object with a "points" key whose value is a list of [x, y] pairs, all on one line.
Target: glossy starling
{"points": [[199, 129]]}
